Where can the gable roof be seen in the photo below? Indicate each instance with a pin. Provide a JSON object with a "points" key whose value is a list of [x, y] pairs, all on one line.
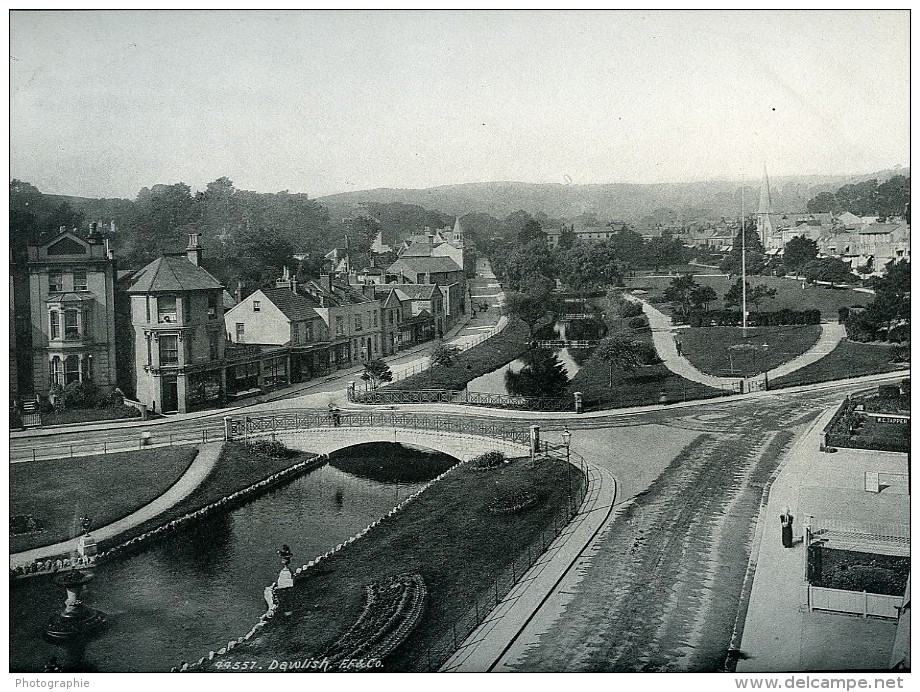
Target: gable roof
{"points": [[417, 291], [171, 273], [420, 265], [294, 306]]}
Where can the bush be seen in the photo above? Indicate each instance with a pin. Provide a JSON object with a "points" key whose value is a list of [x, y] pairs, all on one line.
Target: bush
{"points": [[842, 314], [732, 318], [489, 460], [272, 449], [81, 394], [638, 322], [629, 309], [860, 327], [899, 334]]}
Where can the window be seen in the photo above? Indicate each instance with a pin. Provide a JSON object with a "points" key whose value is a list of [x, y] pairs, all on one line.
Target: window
{"points": [[166, 309], [295, 332], [55, 282], [214, 346], [308, 332], [57, 371], [256, 305], [55, 325], [79, 281], [71, 326], [71, 369], [212, 306], [187, 309], [392, 316], [340, 326], [375, 318], [359, 325], [240, 332], [169, 349]]}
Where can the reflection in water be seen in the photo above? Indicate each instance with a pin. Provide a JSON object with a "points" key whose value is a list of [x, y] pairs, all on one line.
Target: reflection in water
{"points": [[193, 593]]}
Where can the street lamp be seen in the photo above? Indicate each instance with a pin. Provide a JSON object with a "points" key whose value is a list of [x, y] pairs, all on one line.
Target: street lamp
{"points": [[764, 365], [567, 440]]}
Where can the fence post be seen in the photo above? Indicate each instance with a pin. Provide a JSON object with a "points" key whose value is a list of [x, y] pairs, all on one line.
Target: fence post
{"points": [[33, 454], [865, 604], [228, 434], [71, 451]]}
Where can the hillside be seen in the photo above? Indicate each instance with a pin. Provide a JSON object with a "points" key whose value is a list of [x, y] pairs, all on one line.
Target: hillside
{"points": [[626, 201]]}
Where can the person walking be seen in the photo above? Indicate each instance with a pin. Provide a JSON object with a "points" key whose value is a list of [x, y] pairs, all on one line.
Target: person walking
{"points": [[785, 520]]}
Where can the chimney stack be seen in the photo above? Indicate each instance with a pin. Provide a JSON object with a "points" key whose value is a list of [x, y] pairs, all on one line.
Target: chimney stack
{"points": [[193, 251], [239, 292]]}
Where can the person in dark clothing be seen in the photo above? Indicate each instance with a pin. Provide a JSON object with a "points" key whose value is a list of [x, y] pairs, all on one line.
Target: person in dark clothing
{"points": [[785, 520]]}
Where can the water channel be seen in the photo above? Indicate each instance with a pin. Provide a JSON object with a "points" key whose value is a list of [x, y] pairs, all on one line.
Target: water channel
{"points": [[191, 594], [495, 382]]}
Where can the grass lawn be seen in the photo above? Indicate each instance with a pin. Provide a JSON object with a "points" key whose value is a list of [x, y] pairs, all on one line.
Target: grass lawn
{"points": [[491, 354], [789, 294], [848, 359], [854, 571], [449, 536], [235, 469], [708, 347], [107, 487], [88, 415]]}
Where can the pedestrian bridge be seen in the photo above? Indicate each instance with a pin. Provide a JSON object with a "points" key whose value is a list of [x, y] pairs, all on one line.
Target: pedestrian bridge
{"points": [[460, 437]]}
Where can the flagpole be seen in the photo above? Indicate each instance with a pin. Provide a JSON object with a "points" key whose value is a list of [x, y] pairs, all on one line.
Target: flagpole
{"points": [[743, 268]]}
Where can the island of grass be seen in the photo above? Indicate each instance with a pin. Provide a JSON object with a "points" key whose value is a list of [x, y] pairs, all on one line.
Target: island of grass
{"points": [[728, 352], [106, 487], [496, 351], [462, 552], [237, 468], [848, 359]]}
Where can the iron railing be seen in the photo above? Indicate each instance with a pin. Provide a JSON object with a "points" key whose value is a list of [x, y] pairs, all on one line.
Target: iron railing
{"points": [[463, 397], [247, 426]]}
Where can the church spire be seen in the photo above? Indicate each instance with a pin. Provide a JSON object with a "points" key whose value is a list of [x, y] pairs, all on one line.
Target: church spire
{"points": [[766, 204], [764, 212]]}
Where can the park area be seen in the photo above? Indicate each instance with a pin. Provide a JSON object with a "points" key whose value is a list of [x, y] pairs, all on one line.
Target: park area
{"points": [[55, 493], [729, 352], [789, 294], [452, 537]]}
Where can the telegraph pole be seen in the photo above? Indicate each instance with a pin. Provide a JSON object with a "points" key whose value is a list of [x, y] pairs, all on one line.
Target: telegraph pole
{"points": [[743, 268]]}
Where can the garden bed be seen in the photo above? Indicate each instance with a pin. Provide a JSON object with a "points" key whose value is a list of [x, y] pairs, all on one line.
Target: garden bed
{"points": [[447, 536], [72, 416], [106, 487], [854, 571]]}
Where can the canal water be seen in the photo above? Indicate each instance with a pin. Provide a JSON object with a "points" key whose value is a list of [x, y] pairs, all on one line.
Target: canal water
{"points": [[495, 382], [191, 594]]}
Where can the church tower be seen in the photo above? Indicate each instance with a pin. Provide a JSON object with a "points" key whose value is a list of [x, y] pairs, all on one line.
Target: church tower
{"points": [[458, 233], [764, 212]]}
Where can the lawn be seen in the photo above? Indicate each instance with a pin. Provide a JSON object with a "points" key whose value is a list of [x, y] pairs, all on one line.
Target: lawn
{"points": [[236, 469], [789, 294], [88, 415], [491, 354], [708, 348], [449, 537], [848, 359], [107, 487], [855, 571]]}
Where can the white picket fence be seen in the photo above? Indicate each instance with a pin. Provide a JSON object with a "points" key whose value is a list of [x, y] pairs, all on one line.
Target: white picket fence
{"points": [[854, 602]]}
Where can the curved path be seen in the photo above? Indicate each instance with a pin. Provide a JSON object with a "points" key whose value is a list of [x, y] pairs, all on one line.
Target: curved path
{"points": [[665, 345], [197, 471]]}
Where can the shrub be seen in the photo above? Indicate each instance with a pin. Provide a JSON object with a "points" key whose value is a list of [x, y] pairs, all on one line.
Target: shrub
{"points": [[899, 334], [638, 323], [629, 309], [272, 449], [489, 460], [860, 327], [81, 394]]}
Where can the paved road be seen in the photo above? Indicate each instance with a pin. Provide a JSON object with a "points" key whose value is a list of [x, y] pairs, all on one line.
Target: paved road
{"points": [[660, 588]]}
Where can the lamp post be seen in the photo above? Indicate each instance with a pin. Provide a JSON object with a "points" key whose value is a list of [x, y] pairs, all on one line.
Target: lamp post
{"points": [[567, 440], [764, 364]]}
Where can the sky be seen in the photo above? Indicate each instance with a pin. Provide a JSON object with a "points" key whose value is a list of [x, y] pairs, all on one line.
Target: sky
{"points": [[103, 103]]}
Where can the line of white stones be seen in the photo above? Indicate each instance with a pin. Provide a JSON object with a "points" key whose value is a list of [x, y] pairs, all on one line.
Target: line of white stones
{"points": [[270, 591]]}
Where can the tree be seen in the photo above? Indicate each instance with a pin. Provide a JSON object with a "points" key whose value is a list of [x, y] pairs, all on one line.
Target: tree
{"points": [[680, 292], [444, 355], [798, 252], [588, 266], [822, 203], [663, 250], [542, 374], [624, 352], [377, 371], [566, 238], [529, 260], [754, 255], [891, 304], [702, 296], [830, 269], [755, 294], [527, 307], [531, 231]]}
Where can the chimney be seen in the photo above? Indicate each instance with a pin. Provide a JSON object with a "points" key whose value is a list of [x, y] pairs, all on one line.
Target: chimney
{"points": [[112, 227], [325, 281], [239, 292], [369, 291], [109, 254], [193, 251]]}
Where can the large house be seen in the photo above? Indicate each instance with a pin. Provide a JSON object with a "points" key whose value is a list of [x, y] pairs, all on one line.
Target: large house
{"points": [[63, 298], [174, 329], [442, 271]]}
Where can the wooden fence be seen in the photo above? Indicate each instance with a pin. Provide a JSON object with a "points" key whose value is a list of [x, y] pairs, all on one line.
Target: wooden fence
{"points": [[854, 602]]}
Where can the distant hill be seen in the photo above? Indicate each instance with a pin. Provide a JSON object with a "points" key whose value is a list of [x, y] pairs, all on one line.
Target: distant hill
{"points": [[626, 201]]}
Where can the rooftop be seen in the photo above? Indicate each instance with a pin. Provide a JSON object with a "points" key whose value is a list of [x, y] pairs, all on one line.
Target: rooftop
{"points": [[171, 273], [294, 306]]}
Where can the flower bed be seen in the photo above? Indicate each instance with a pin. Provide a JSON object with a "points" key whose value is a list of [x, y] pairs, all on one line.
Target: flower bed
{"points": [[513, 503], [394, 607]]}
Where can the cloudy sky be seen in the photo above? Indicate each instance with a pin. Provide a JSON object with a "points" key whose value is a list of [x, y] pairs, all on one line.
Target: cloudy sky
{"points": [[104, 103]]}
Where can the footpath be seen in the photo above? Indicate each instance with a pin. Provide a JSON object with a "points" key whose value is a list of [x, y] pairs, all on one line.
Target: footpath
{"points": [[489, 642], [780, 634], [666, 346], [197, 471]]}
